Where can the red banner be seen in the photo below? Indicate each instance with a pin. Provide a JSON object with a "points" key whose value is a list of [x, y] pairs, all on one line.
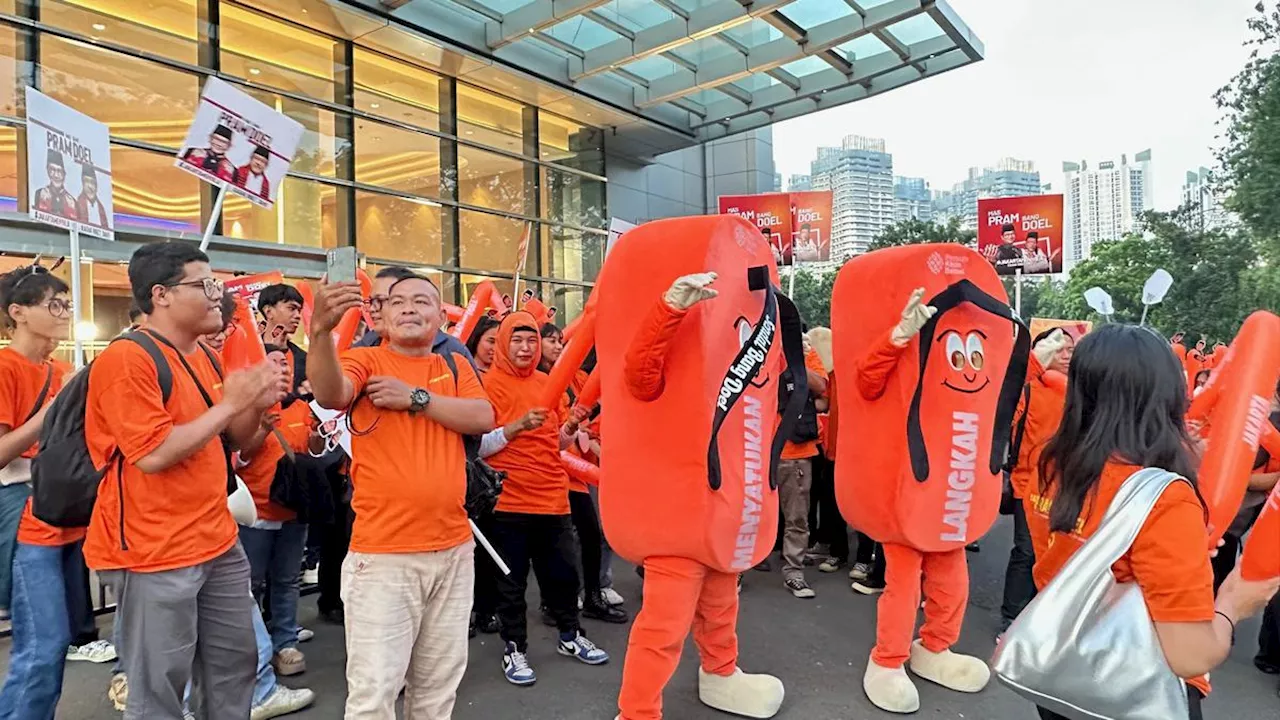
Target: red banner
{"points": [[247, 287], [1022, 233], [771, 213], [811, 226]]}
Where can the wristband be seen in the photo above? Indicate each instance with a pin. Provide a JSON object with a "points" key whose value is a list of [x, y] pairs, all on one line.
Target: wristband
{"points": [[1229, 622]]}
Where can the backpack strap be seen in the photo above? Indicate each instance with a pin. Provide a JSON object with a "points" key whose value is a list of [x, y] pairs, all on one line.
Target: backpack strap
{"points": [[208, 400], [470, 443], [453, 366], [44, 393], [164, 373], [213, 359]]}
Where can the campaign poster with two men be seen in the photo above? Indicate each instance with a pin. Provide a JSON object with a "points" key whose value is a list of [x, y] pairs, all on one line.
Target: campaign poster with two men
{"points": [[797, 225], [68, 168], [239, 143], [1022, 234]]}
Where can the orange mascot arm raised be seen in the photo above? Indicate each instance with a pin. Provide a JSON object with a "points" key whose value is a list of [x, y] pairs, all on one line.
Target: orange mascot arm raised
{"points": [[648, 352], [874, 369]]}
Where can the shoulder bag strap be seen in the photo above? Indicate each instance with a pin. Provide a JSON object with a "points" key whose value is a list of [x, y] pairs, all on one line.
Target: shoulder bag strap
{"points": [[1119, 528]]}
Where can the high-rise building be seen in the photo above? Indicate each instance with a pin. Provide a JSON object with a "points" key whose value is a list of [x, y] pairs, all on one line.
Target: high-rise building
{"points": [[1104, 203], [1205, 203], [911, 199], [799, 183], [860, 175], [1008, 178]]}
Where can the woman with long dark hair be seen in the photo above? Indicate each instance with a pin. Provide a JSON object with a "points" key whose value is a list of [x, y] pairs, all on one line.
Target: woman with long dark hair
{"points": [[1125, 407], [483, 340]]}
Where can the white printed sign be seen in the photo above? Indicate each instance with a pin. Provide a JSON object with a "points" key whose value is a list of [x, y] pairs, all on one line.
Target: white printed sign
{"points": [[68, 167], [240, 143]]}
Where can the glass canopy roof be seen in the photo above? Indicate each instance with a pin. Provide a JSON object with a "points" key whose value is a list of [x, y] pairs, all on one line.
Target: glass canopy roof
{"points": [[710, 68]]}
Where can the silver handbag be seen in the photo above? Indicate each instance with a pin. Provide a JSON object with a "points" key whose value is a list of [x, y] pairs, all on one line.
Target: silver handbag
{"points": [[1086, 647]]}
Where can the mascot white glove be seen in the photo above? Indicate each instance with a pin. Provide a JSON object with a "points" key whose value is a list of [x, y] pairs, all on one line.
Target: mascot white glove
{"points": [[1048, 349], [690, 290], [914, 317]]}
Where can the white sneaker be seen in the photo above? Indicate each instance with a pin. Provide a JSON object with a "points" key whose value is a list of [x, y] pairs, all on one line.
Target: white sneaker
{"points": [[98, 651], [311, 576], [282, 701], [611, 597], [305, 635]]}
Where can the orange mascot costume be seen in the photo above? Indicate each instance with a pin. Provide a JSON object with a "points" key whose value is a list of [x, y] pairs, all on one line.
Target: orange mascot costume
{"points": [[693, 340], [930, 390]]}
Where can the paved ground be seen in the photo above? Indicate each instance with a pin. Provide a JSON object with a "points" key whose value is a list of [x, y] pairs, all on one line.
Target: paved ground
{"points": [[818, 647]]}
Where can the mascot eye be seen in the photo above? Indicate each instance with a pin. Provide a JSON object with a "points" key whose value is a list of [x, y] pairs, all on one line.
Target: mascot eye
{"points": [[955, 351], [976, 356]]}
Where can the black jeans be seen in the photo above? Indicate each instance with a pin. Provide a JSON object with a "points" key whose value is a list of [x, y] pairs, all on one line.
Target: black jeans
{"points": [[1193, 698], [1019, 585], [870, 552], [485, 601], [1225, 562], [826, 524], [335, 539], [590, 539], [1269, 635], [546, 542]]}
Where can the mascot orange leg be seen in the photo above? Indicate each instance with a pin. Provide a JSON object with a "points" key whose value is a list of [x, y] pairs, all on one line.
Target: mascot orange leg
{"points": [[946, 593], [679, 594]]}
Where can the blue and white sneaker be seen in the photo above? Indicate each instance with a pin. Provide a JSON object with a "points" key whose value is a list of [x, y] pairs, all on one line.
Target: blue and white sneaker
{"points": [[582, 649], [515, 665]]}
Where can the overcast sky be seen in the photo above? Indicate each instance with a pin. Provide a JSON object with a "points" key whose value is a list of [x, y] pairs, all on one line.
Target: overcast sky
{"points": [[1062, 80]]}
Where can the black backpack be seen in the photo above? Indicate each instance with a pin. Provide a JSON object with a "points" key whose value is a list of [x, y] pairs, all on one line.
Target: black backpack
{"points": [[484, 484], [806, 425], [64, 479]]}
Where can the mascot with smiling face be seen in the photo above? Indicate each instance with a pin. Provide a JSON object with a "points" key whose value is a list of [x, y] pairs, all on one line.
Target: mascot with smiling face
{"points": [[693, 341], [931, 394]]}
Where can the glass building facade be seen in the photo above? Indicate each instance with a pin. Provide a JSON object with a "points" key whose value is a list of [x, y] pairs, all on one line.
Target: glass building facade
{"points": [[410, 166]]}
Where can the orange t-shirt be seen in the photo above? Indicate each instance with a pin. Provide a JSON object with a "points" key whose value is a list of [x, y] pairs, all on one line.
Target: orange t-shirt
{"points": [[537, 482], [295, 425], [20, 383], [175, 518], [1169, 559], [1043, 416], [409, 473], [804, 450]]}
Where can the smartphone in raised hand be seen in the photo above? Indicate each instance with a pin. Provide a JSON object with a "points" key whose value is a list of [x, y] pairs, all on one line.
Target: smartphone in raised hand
{"points": [[341, 265]]}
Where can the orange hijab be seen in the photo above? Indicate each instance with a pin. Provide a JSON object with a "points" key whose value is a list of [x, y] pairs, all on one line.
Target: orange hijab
{"points": [[536, 479]]}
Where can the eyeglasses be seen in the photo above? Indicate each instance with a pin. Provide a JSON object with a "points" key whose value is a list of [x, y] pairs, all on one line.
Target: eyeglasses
{"points": [[213, 287], [59, 308], [375, 303]]}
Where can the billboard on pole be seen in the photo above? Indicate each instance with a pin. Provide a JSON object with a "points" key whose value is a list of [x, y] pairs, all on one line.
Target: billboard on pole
{"points": [[811, 226], [771, 213], [797, 225], [1022, 233]]}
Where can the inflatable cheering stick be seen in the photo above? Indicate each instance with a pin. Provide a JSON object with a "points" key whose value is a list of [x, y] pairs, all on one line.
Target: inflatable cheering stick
{"points": [[693, 339], [1235, 404], [929, 390]]}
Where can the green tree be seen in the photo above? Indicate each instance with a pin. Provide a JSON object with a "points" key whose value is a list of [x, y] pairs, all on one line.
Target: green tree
{"points": [[1219, 278], [812, 297], [917, 232], [1250, 154]]}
